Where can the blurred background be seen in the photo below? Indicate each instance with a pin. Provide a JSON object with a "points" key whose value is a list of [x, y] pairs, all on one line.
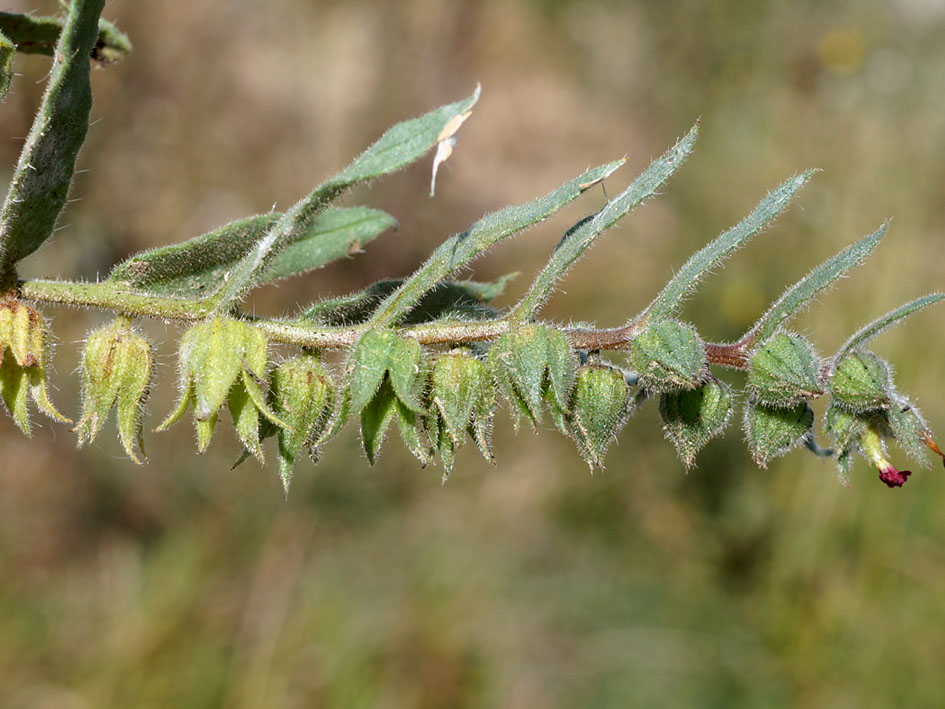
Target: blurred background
{"points": [[531, 584]]}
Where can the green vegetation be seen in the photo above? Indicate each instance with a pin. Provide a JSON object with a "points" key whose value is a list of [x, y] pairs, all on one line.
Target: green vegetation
{"points": [[729, 585]]}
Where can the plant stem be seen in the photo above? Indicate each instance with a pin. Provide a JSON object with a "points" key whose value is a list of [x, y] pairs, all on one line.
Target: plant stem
{"points": [[304, 333]]}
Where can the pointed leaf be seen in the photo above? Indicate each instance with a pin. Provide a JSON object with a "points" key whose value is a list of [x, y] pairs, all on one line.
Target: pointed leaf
{"points": [[369, 362], [688, 277], [198, 266], [893, 317], [40, 185], [245, 420], [584, 233], [14, 388], [800, 294], [457, 251], [375, 419], [398, 147], [909, 430]]}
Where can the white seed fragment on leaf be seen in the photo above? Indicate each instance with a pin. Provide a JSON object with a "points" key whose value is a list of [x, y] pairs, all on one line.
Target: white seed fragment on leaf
{"points": [[445, 142], [449, 130], [443, 150]]}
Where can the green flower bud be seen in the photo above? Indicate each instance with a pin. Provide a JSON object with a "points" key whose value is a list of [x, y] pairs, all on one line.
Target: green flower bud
{"points": [[381, 353], [116, 372], [303, 395], [668, 356], [377, 416], [861, 382], [693, 417], [772, 432], [386, 374], [463, 396], [785, 371], [533, 363], [23, 362], [599, 406], [223, 361]]}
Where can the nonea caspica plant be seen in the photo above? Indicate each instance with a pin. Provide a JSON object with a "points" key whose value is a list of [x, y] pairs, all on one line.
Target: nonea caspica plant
{"points": [[427, 354]]}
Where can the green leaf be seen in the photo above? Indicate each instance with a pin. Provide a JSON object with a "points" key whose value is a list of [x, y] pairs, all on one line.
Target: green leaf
{"points": [[447, 298], [800, 294], [7, 52], [704, 260], [398, 147], [38, 35], [584, 233], [376, 418], [908, 428], [198, 266], [893, 317], [457, 251], [40, 184]]}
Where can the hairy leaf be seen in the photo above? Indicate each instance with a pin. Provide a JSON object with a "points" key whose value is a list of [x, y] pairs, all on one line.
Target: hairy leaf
{"points": [[43, 174], [38, 35], [584, 233], [798, 295], [398, 147], [448, 298], [893, 317], [198, 266], [7, 52], [704, 260], [457, 251]]}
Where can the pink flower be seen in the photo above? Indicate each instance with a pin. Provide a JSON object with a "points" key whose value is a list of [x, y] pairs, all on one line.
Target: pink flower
{"points": [[892, 477]]}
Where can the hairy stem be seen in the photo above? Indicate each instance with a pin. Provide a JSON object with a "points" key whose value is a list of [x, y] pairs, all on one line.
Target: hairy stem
{"points": [[305, 333]]}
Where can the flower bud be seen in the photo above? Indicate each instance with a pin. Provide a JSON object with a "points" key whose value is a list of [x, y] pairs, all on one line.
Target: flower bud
{"points": [[845, 427], [304, 397], [386, 374], [861, 382], [116, 372], [23, 362], [669, 356], [533, 363], [223, 361], [785, 371], [463, 396], [599, 406], [772, 432], [693, 417]]}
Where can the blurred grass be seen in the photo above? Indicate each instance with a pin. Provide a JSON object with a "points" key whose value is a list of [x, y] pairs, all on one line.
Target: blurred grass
{"points": [[533, 584]]}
